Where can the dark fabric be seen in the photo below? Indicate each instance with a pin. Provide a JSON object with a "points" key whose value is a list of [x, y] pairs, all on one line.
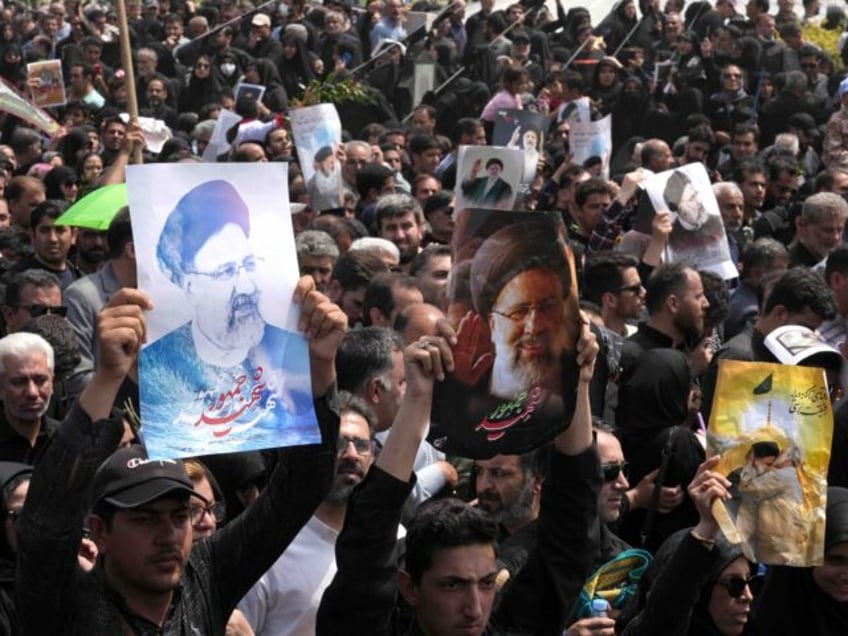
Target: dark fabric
{"points": [[653, 391], [837, 472], [645, 338], [362, 597], [674, 593], [741, 311], [220, 569], [836, 529], [800, 256], [66, 276], [14, 448], [791, 603]]}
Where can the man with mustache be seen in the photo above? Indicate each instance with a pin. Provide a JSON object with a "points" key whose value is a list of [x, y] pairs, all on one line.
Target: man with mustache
{"points": [[284, 602], [227, 364]]}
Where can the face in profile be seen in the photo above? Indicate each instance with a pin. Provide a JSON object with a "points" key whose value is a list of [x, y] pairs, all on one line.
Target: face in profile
{"points": [[223, 293]]}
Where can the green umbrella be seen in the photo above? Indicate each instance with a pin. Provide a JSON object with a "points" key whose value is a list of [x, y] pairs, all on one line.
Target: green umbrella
{"points": [[96, 209]]}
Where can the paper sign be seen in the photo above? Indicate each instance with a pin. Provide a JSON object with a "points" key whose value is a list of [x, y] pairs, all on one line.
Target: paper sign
{"points": [[46, 83], [317, 132], [589, 139], [12, 102], [488, 177], [224, 368], [525, 130], [772, 425]]}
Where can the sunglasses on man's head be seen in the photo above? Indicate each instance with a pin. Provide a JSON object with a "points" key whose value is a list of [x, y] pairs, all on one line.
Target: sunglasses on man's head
{"points": [[612, 470]]}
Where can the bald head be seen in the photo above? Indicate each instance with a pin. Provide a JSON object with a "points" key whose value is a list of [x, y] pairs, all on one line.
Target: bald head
{"points": [[417, 320]]}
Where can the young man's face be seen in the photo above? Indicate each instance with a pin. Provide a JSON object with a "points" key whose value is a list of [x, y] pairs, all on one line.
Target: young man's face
{"points": [[455, 595], [52, 242], [146, 548], [405, 232]]}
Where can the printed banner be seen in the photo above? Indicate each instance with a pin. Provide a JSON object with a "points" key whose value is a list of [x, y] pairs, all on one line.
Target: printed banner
{"points": [[525, 130], [592, 139], [46, 83], [772, 425], [488, 177], [697, 237], [12, 102], [317, 132], [515, 308], [224, 368]]}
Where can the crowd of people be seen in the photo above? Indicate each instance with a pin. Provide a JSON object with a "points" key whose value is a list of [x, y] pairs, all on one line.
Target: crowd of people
{"points": [[375, 530]]}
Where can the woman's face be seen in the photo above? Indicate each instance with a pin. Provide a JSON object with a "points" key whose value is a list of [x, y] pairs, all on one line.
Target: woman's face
{"points": [[206, 524], [70, 189], [630, 10], [832, 577], [729, 613], [92, 168], [251, 75], [766, 90], [289, 49], [684, 47], [202, 68], [606, 76]]}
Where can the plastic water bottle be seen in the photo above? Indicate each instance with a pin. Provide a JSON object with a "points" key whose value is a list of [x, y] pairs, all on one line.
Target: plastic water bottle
{"points": [[600, 607]]}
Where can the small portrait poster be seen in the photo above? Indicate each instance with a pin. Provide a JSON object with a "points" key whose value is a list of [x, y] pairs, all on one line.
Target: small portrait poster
{"points": [[525, 130], [243, 89], [424, 80], [317, 132], [590, 139], [515, 308], [698, 236], [218, 143], [46, 83], [224, 368], [488, 177], [772, 425]]}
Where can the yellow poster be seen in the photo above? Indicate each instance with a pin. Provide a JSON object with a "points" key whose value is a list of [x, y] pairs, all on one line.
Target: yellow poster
{"points": [[772, 425]]}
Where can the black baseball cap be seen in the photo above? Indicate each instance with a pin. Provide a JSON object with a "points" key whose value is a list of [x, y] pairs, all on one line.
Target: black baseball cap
{"points": [[129, 478]]}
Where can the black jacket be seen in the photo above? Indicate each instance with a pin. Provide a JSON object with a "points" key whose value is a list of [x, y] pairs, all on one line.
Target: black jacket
{"points": [[56, 597], [363, 595]]}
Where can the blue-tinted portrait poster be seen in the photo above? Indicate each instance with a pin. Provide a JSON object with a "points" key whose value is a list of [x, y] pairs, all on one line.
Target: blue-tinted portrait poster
{"points": [[224, 368]]}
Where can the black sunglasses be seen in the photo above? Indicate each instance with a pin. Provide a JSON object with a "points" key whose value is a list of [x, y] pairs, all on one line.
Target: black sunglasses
{"points": [[736, 585], [631, 288], [612, 470], [37, 310]]}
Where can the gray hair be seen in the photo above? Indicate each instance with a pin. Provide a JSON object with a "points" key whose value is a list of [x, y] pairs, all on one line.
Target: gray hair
{"points": [[376, 245], [205, 127], [796, 82], [726, 187], [360, 144], [824, 205], [391, 206], [23, 344], [315, 243]]}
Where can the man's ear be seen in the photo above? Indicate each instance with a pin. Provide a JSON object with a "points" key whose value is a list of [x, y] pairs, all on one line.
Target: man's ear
{"points": [[99, 532], [334, 291], [407, 588], [373, 388], [672, 303], [129, 250]]}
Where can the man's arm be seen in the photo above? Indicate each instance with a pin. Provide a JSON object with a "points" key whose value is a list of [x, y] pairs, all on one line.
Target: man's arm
{"points": [[543, 593], [240, 553], [361, 599], [50, 528]]}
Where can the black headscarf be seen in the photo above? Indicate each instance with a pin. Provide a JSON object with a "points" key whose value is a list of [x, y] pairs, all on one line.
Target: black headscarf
{"points": [[54, 179], [791, 602]]}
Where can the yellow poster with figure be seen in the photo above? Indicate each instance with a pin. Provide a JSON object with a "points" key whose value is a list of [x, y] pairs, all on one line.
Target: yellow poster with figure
{"points": [[772, 425]]}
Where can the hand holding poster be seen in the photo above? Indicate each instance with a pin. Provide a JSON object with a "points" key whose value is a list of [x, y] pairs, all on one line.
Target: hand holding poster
{"points": [[317, 132], [12, 102], [697, 237], [772, 426], [46, 83], [516, 314], [488, 177], [224, 368]]}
